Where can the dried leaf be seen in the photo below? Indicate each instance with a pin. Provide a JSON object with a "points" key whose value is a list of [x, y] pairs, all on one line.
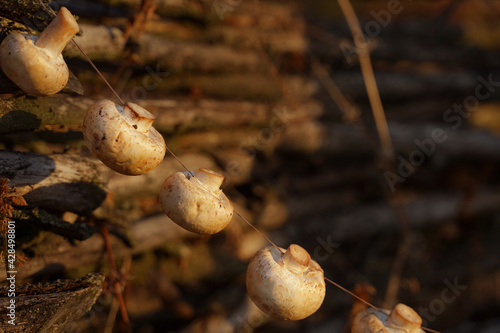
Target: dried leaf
{"points": [[18, 201]]}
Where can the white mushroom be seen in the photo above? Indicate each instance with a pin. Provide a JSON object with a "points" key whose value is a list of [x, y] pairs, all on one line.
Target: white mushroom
{"points": [[35, 64], [196, 203], [123, 138], [286, 285], [402, 319]]}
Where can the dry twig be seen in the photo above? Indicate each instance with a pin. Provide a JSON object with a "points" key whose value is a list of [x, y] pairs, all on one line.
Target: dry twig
{"points": [[369, 78]]}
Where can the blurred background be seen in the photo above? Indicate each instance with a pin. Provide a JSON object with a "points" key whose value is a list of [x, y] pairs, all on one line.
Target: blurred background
{"points": [[271, 94]]}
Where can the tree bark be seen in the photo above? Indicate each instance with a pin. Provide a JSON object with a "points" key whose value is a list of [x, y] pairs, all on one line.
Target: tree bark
{"points": [[64, 113], [147, 234], [461, 143], [50, 307], [60, 182], [426, 211], [104, 43], [40, 219], [29, 12], [54, 112]]}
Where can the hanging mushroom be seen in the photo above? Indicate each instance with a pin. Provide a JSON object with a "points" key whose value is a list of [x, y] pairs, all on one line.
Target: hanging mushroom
{"points": [[402, 319], [286, 285], [195, 201], [36, 65], [123, 138]]}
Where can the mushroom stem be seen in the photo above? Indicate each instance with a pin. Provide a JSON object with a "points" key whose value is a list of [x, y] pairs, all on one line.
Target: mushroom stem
{"points": [[296, 259], [212, 180], [405, 317], [58, 33], [139, 117]]}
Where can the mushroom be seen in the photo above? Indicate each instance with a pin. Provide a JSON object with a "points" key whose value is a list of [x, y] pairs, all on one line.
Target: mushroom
{"points": [[123, 137], [195, 201], [35, 64], [402, 319], [286, 285]]}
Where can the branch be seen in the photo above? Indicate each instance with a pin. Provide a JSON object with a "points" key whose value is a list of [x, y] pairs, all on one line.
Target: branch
{"points": [[65, 113], [345, 139], [61, 182], [51, 307], [46, 221], [145, 235], [426, 211], [369, 78]]}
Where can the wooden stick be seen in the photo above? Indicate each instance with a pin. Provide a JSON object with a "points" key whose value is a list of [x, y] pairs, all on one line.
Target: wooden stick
{"points": [[114, 276], [369, 78], [50, 307]]}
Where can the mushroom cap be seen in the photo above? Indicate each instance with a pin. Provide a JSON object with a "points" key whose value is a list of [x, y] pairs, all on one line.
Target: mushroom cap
{"points": [[402, 319], [196, 203], [123, 138], [35, 70], [285, 288]]}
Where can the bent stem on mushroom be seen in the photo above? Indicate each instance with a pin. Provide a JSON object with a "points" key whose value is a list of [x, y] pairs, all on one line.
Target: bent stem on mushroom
{"points": [[58, 33], [402, 319], [35, 64], [51, 12]]}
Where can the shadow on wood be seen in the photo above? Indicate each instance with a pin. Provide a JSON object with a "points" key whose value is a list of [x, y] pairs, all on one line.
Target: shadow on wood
{"points": [[50, 307]]}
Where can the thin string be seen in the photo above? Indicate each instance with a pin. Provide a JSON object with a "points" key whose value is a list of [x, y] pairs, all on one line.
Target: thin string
{"points": [[180, 162], [235, 212], [258, 231], [352, 294], [99, 72]]}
